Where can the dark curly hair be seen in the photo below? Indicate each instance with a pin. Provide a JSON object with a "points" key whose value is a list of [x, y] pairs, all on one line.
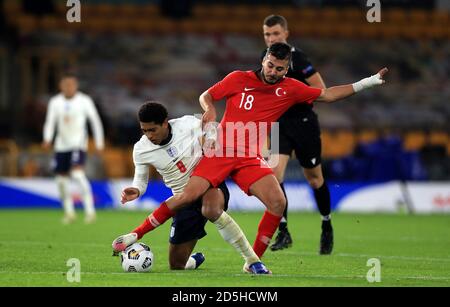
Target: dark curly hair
{"points": [[152, 112]]}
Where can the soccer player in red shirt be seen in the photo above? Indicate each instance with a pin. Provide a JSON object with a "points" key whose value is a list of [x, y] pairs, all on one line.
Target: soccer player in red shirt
{"points": [[253, 98]]}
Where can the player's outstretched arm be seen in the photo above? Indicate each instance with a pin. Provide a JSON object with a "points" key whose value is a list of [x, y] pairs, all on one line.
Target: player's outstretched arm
{"points": [[335, 93]]}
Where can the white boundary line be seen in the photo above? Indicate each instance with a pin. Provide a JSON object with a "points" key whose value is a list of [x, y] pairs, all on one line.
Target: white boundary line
{"points": [[362, 277], [230, 250]]}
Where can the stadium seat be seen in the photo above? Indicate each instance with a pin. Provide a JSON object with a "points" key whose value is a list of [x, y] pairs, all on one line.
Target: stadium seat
{"points": [[188, 26], [88, 11], [329, 14], [244, 12], [366, 136], [96, 25], [389, 31], [292, 15], [303, 14], [412, 31], [353, 15], [436, 31], [200, 11], [115, 162], [61, 8], [12, 10], [347, 140], [219, 11], [418, 17], [51, 22], [368, 30], [10, 161], [414, 140], [337, 144], [396, 16], [301, 29], [129, 10], [148, 11], [26, 23], [324, 29], [440, 18], [262, 11], [345, 30], [106, 10], [438, 138], [117, 25]]}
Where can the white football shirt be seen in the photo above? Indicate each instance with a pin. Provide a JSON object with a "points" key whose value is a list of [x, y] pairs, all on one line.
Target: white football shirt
{"points": [[68, 117], [174, 161]]}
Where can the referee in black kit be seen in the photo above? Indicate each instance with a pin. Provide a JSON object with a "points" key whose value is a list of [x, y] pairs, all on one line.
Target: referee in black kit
{"points": [[300, 132]]}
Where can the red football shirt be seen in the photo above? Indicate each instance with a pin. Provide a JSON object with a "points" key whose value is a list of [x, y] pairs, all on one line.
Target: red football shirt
{"points": [[252, 105]]}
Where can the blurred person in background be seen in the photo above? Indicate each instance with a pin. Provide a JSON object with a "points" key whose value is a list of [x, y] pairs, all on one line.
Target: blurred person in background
{"points": [[300, 132], [67, 114]]}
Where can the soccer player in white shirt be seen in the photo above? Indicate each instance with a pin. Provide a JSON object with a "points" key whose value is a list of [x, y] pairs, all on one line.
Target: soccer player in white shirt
{"points": [[67, 114], [174, 148]]}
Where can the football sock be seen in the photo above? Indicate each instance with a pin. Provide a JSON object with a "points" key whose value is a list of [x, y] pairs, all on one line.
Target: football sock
{"points": [[232, 233], [158, 217], [63, 187], [190, 264], [326, 225], [266, 228], [80, 177], [283, 223], [322, 196]]}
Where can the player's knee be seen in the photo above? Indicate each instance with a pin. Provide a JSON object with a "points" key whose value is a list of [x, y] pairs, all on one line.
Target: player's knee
{"points": [[188, 197], [315, 182], [210, 210], [277, 203]]}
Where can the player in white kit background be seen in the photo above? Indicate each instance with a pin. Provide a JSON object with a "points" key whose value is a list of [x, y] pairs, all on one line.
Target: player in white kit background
{"points": [[66, 123]]}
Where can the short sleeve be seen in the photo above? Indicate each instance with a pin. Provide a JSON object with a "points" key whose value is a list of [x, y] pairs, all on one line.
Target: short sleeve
{"points": [[304, 93], [226, 86]]}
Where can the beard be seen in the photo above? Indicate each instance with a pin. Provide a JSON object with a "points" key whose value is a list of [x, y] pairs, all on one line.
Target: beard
{"points": [[269, 79]]}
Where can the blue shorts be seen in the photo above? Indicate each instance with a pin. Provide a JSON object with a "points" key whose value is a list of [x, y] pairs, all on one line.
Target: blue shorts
{"points": [[189, 223], [64, 161]]}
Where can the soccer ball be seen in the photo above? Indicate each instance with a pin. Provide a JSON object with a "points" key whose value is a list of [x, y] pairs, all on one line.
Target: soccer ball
{"points": [[137, 258]]}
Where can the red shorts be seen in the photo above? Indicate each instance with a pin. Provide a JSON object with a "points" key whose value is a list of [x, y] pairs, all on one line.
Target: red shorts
{"points": [[243, 171]]}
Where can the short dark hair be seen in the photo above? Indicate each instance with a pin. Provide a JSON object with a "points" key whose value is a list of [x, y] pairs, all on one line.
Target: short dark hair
{"points": [[273, 20], [281, 51], [69, 74], [152, 112]]}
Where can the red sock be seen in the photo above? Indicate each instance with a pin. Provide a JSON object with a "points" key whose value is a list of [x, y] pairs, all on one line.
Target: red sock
{"points": [[266, 228], [158, 217]]}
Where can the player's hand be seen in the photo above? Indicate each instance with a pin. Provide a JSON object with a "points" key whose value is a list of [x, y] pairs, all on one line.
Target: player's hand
{"points": [[381, 74], [46, 145], [129, 194], [98, 152], [371, 81], [209, 147], [209, 116]]}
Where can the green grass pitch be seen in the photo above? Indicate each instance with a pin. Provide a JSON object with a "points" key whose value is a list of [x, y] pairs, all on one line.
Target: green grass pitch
{"points": [[413, 251]]}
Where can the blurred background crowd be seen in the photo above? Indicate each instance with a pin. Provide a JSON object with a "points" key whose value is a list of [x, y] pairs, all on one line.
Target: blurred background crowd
{"points": [[128, 52]]}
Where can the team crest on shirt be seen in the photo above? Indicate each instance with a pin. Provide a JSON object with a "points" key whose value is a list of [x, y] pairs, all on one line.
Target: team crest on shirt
{"points": [[172, 152], [280, 92]]}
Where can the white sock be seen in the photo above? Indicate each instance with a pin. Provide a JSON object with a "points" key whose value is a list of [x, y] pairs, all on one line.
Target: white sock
{"points": [[326, 217], [64, 193], [190, 264], [232, 233], [88, 201]]}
